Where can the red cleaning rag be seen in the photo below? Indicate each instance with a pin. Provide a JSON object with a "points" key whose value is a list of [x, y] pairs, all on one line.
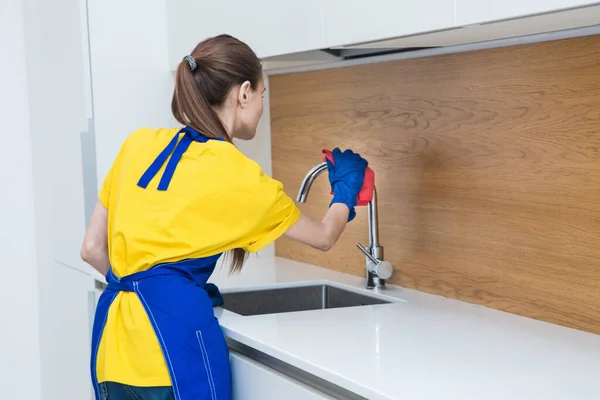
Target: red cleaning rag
{"points": [[366, 192]]}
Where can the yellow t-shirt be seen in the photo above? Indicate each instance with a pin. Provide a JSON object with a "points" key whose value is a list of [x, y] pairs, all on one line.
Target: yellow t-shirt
{"points": [[218, 200]]}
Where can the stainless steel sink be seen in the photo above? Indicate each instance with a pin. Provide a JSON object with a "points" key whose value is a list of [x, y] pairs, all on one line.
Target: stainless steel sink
{"points": [[292, 299]]}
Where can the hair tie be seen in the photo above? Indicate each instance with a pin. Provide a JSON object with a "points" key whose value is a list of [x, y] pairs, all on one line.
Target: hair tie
{"points": [[191, 61]]}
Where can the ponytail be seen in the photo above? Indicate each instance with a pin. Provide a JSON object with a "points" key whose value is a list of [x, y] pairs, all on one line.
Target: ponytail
{"points": [[190, 107], [203, 81]]}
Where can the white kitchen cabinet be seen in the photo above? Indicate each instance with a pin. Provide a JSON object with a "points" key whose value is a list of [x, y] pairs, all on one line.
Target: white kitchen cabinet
{"points": [[47, 146], [64, 334], [355, 21], [132, 85], [270, 27], [476, 11], [60, 105], [253, 380]]}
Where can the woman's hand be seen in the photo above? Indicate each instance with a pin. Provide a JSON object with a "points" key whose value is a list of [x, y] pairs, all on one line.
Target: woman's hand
{"points": [[346, 176]]}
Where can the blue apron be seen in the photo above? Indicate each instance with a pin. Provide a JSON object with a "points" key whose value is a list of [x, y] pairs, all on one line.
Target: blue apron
{"points": [[179, 304]]}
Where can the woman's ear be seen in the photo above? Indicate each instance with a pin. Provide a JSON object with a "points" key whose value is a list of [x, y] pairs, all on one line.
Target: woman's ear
{"points": [[244, 94]]}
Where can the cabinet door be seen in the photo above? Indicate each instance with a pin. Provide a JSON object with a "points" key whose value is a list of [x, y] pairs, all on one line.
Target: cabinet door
{"points": [[64, 333], [60, 108], [252, 380], [270, 27], [132, 86], [477, 11], [354, 21]]}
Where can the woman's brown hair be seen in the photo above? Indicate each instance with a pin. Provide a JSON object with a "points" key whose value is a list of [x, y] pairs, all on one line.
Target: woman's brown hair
{"points": [[202, 85]]}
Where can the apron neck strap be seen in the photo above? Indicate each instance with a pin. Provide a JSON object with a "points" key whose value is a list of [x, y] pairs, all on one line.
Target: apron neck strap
{"points": [[175, 149]]}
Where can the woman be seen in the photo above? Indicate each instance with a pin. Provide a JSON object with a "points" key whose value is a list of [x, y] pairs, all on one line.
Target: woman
{"points": [[173, 202]]}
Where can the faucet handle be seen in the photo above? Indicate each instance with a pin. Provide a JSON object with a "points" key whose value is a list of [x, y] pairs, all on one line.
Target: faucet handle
{"points": [[367, 253], [383, 269]]}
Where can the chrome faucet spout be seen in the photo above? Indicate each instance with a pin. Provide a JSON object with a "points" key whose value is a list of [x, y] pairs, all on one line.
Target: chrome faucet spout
{"points": [[308, 181], [377, 269]]}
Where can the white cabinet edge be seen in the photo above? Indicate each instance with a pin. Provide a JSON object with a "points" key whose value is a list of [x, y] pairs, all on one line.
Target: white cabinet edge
{"points": [[250, 376]]}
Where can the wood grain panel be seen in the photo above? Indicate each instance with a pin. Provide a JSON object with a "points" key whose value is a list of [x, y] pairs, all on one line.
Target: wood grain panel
{"points": [[487, 167]]}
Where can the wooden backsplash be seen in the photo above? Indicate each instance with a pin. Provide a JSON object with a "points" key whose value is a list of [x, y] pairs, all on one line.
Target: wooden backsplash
{"points": [[487, 168]]}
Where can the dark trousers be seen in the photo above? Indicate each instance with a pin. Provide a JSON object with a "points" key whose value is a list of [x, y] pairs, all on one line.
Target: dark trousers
{"points": [[118, 391]]}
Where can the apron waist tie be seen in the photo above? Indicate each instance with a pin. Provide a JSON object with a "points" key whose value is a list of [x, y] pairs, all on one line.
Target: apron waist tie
{"points": [[120, 286], [126, 283]]}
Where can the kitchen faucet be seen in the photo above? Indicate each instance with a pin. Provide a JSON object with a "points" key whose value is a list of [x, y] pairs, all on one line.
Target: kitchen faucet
{"points": [[377, 269]]}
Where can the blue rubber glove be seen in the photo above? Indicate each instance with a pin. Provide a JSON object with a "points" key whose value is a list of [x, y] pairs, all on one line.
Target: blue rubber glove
{"points": [[346, 176]]}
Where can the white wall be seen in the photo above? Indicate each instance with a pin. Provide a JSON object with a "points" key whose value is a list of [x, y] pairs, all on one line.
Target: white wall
{"points": [[19, 336]]}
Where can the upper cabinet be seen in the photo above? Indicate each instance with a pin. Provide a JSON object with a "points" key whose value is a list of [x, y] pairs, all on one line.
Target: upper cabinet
{"points": [[478, 11], [273, 28], [355, 21], [270, 27]]}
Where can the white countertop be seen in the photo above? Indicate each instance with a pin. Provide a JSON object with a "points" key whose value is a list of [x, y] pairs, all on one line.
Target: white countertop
{"points": [[420, 347]]}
